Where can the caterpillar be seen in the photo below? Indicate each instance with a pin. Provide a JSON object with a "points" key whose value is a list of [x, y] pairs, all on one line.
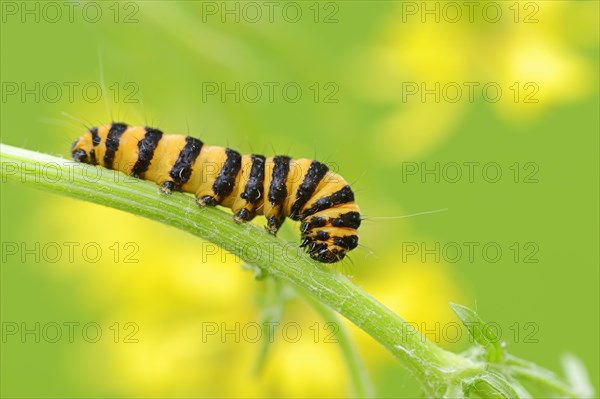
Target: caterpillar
{"points": [[276, 187]]}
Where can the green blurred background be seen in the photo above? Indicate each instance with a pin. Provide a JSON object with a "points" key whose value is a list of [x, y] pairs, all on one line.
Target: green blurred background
{"points": [[356, 64]]}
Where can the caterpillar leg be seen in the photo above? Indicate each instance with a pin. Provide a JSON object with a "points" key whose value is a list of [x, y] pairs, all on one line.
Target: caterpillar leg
{"points": [[274, 223], [243, 210], [243, 215], [205, 196], [207, 200], [167, 187]]}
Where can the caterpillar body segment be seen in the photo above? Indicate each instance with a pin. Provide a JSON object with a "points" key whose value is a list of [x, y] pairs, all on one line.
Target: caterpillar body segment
{"points": [[276, 187]]}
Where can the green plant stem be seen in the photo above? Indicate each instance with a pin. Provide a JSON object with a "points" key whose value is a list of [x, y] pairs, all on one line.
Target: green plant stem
{"points": [[440, 373], [276, 257]]}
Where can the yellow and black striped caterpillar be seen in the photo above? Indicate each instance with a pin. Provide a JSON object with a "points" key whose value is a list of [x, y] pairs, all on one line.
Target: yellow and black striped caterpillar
{"points": [[277, 187]]}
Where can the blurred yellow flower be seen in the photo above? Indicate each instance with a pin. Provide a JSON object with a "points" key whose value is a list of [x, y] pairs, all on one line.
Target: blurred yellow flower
{"points": [[197, 316], [430, 68], [173, 296]]}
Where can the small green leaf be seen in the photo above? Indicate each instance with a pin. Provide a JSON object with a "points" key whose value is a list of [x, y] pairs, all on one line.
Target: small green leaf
{"points": [[517, 386], [259, 273], [455, 391], [480, 331], [577, 375], [499, 385]]}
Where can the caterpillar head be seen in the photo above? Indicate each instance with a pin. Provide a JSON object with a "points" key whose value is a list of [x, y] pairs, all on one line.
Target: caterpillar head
{"points": [[327, 255], [325, 248], [83, 150]]}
